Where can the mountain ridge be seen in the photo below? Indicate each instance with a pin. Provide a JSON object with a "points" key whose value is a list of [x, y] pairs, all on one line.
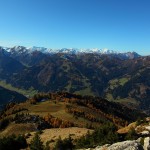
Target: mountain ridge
{"points": [[111, 76], [105, 51]]}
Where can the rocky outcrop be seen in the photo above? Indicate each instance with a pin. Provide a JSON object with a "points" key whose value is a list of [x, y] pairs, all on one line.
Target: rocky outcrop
{"points": [[147, 143], [143, 130], [144, 133], [125, 145]]}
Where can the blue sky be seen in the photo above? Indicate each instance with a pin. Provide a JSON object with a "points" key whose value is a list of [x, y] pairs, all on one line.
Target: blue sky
{"points": [[122, 25]]}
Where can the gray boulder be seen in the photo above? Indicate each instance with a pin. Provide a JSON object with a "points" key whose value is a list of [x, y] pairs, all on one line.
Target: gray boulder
{"points": [[125, 145]]}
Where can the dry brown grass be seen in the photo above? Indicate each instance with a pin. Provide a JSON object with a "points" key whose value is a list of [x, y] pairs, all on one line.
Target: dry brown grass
{"points": [[18, 129], [56, 110], [55, 133], [126, 129], [43, 108]]}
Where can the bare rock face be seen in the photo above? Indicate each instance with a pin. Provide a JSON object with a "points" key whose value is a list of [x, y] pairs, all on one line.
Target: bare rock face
{"points": [[148, 128], [125, 145], [144, 133], [147, 143]]}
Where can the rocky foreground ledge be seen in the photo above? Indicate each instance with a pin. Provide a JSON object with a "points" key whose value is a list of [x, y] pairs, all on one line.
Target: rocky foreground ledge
{"points": [[126, 145]]}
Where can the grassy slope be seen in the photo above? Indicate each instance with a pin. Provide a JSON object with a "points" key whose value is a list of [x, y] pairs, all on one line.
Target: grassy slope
{"points": [[29, 92], [42, 109], [82, 111], [53, 134], [17, 129], [115, 83], [56, 110], [49, 107]]}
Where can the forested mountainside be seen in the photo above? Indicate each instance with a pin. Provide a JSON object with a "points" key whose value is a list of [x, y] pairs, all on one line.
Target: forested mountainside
{"points": [[107, 75], [7, 96]]}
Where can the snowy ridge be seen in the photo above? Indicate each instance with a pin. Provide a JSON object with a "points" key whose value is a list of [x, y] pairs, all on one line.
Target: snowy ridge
{"points": [[30, 50]]}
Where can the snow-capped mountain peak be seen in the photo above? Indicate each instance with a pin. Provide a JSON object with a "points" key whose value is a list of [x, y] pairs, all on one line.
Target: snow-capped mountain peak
{"points": [[108, 51], [24, 50]]}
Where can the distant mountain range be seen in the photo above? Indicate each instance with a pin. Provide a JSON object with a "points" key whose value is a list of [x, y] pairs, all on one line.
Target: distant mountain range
{"points": [[120, 77], [25, 50]]}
